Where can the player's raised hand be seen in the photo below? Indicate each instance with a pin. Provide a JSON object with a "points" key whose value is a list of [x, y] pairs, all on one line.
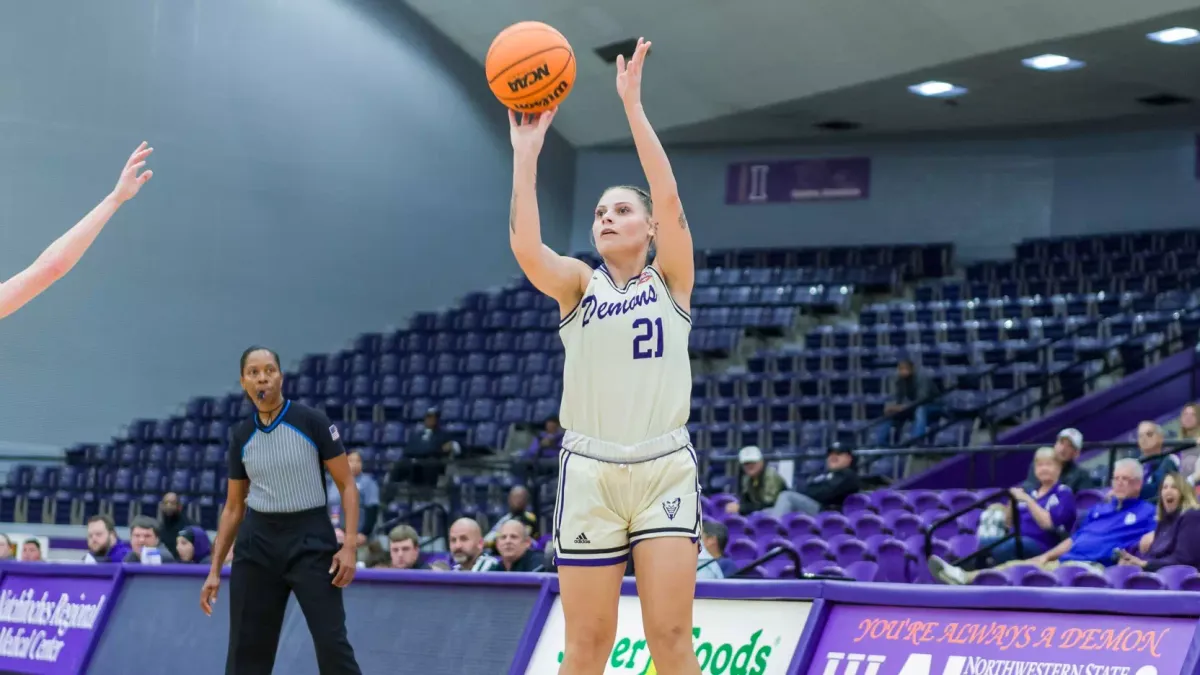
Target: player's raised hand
{"points": [[131, 180], [528, 131], [629, 75]]}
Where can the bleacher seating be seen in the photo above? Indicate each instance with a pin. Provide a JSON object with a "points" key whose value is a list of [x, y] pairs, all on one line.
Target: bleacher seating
{"points": [[495, 361]]}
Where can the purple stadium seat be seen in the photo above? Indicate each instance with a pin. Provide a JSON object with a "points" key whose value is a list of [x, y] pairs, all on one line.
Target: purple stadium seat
{"points": [[765, 524], [963, 545], [923, 502], [867, 524], [863, 570], [851, 551], [1038, 578], [991, 578], [902, 523], [889, 500], [799, 524], [813, 550], [1089, 580], [823, 567], [738, 526], [1118, 574], [832, 523], [857, 502], [1065, 574], [1175, 575], [1145, 581], [1086, 499], [742, 550]]}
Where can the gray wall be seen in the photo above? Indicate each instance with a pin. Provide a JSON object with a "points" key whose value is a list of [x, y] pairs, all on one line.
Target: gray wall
{"points": [[323, 168], [982, 195]]}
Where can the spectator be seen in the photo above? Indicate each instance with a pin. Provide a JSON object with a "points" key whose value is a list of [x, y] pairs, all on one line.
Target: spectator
{"points": [[171, 521], [513, 543], [426, 454], [102, 542], [193, 546], [548, 442], [377, 557], [1067, 447], [715, 537], [707, 567], [910, 392], [1046, 516], [466, 547], [1116, 523], [31, 551], [1189, 429], [518, 510], [143, 536], [404, 549], [368, 498], [759, 486], [1155, 465], [826, 491], [1176, 539], [6, 547]]}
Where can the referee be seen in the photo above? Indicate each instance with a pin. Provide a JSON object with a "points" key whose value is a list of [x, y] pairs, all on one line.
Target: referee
{"points": [[277, 464]]}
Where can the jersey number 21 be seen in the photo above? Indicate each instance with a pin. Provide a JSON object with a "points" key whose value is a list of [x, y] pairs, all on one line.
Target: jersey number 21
{"points": [[648, 331]]}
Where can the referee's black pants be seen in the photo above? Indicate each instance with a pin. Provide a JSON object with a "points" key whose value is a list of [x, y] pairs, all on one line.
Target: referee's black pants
{"points": [[277, 554]]}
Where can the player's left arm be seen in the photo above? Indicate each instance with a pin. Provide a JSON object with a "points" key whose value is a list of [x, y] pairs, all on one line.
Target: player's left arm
{"points": [[673, 238], [58, 259]]}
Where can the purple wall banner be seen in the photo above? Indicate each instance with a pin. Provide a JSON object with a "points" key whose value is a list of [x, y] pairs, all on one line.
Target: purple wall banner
{"points": [[47, 623], [925, 641], [798, 180]]}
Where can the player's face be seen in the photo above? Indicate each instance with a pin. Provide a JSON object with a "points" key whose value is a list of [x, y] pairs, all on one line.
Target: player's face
{"points": [[621, 227], [261, 378]]}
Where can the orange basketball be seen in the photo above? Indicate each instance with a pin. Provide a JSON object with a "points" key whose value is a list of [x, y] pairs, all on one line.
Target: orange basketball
{"points": [[530, 67]]}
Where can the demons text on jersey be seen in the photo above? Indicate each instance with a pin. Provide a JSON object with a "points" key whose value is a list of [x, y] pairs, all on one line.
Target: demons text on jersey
{"points": [[602, 310]]}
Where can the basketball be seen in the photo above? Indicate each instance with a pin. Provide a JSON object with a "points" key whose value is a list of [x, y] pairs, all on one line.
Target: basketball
{"points": [[530, 67]]}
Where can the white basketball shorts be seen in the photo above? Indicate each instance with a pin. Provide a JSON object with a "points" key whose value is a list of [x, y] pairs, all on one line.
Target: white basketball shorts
{"points": [[603, 509]]}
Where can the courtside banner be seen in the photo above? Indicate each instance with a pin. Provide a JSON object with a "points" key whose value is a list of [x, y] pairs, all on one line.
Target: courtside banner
{"points": [[731, 637], [867, 640], [47, 623]]}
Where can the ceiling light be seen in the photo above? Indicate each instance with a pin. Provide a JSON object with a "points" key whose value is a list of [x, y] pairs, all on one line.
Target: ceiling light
{"points": [[1176, 36], [1052, 62], [937, 89]]}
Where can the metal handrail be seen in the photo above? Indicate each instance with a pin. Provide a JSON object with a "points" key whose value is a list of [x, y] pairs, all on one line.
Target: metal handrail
{"points": [[1168, 344], [771, 555], [953, 517], [1044, 349]]}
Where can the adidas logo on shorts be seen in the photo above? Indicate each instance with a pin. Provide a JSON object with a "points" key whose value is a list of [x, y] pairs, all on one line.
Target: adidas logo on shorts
{"points": [[582, 539]]}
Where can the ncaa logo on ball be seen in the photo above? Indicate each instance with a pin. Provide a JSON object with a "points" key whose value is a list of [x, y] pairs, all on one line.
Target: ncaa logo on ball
{"points": [[532, 77]]}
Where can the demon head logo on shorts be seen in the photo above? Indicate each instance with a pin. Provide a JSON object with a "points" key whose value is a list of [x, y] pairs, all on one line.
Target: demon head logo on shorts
{"points": [[671, 507]]}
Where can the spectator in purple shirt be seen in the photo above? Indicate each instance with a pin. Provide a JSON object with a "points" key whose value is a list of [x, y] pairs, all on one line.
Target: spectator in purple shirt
{"points": [[1046, 516], [1176, 538], [548, 442]]}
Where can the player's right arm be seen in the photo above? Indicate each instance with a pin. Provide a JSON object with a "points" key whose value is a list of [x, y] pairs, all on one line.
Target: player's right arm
{"points": [[559, 277], [58, 259]]}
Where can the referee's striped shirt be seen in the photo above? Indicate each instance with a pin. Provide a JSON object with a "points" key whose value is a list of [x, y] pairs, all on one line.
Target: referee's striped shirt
{"points": [[284, 461]]}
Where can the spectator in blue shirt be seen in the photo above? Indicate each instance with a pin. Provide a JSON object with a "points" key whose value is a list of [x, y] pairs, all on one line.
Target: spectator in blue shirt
{"points": [[715, 538], [368, 498], [1115, 524], [1176, 539], [1155, 465]]}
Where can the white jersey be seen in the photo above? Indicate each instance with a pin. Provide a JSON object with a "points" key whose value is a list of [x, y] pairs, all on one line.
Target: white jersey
{"points": [[628, 379]]}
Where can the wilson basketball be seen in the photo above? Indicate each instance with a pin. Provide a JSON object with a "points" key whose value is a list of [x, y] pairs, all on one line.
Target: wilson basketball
{"points": [[530, 67]]}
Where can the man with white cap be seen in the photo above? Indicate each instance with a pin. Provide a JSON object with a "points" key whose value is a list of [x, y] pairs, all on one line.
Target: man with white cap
{"points": [[1067, 447], [759, 486]]}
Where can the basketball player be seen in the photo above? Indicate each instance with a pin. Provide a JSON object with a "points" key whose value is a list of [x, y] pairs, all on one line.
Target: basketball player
{"points": [[61, 256], [627, 471]]}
